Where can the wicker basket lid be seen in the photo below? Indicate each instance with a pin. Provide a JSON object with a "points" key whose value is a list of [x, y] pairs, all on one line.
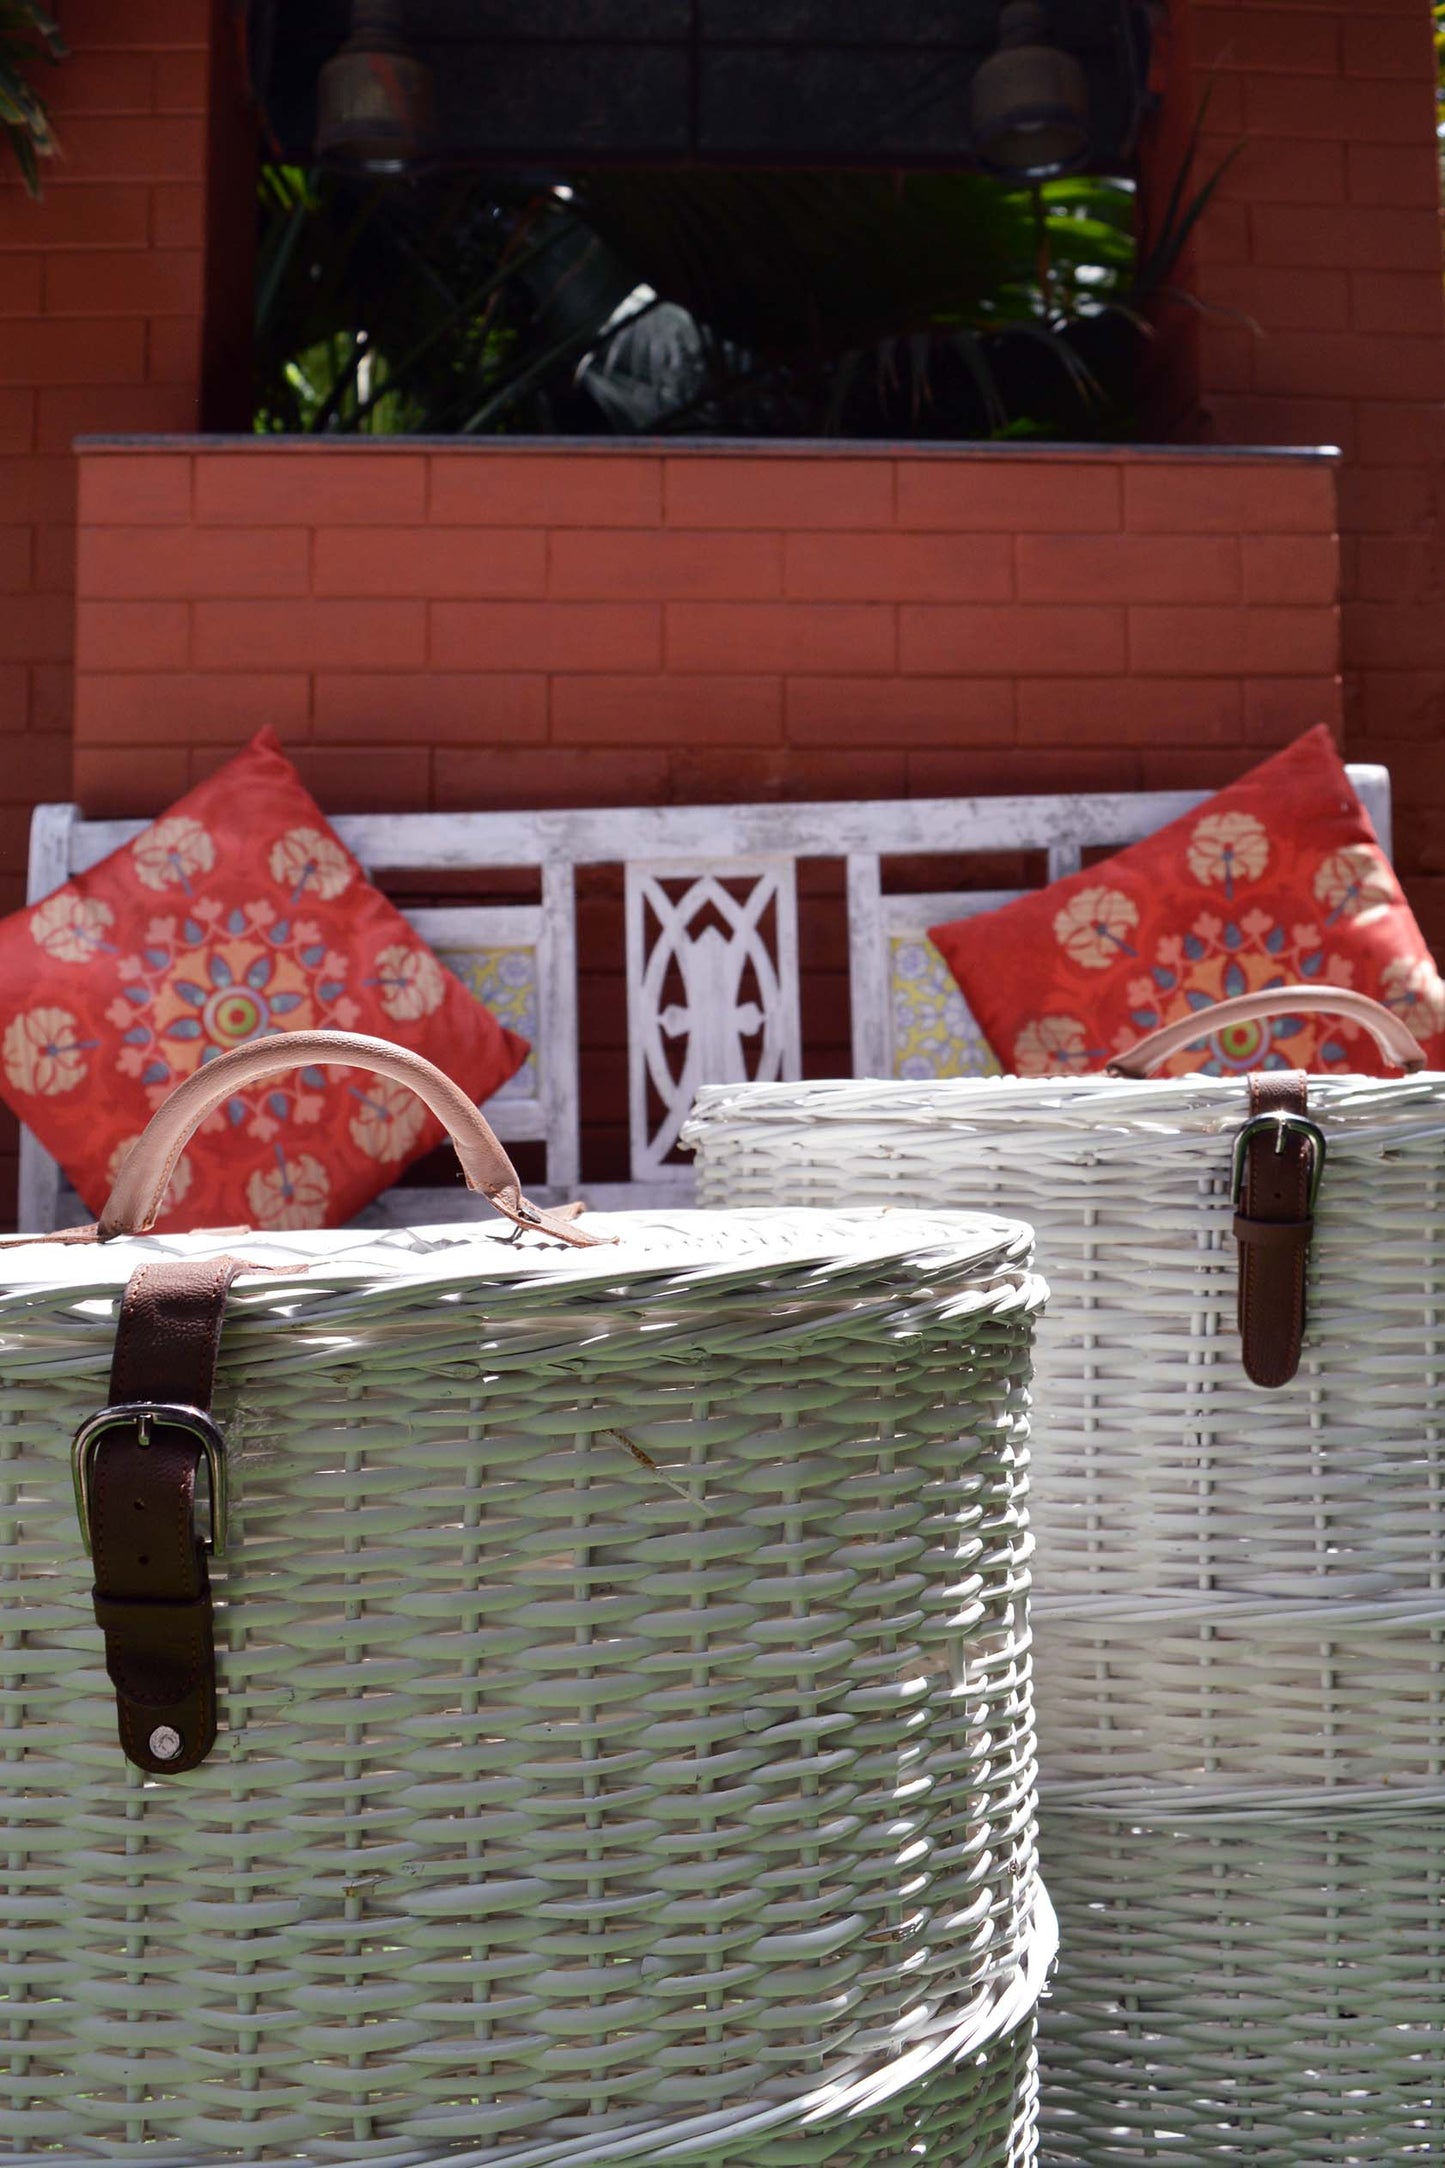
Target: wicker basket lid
{"points": [[1363, 1107], [641, 1252]]}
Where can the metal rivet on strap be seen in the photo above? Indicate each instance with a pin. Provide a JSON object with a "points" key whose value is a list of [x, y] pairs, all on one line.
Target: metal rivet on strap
{"points": [[165, 1744]]}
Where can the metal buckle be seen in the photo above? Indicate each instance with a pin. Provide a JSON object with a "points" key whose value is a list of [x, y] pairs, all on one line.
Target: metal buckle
{"points": [[142, 1413], [1283, 1125]]}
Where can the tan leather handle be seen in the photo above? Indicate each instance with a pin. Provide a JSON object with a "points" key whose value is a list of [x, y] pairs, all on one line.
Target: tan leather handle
{"points": [[135, 1202], [1394, 1039]]}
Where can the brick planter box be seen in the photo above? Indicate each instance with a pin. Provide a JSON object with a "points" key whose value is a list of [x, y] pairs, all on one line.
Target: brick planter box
{"points": [[448, 624]]}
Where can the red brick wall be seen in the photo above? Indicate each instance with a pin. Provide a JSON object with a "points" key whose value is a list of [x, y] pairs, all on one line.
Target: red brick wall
{"points": [[1326, 238], [100, 328], [491, 625], [483, 625]]}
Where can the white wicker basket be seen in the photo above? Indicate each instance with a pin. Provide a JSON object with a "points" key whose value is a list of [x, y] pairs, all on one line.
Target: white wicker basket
{"points": [[1241, 1594], [1235, 1987], [627, 1749]]}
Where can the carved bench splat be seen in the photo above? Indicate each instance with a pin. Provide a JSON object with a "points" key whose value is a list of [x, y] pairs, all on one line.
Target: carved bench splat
{"points": [[712, 990]]}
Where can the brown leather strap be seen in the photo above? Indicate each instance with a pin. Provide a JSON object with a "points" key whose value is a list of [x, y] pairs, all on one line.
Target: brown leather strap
{"points": [[152, 1592], [1274, 1225]]}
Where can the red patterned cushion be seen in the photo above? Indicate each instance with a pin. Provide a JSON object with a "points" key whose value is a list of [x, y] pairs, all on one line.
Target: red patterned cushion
{"points": [[1277, 880], [237, 914]]}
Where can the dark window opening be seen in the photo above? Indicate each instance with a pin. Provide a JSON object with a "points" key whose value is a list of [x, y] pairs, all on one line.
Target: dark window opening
{"points": [[700, 217]]}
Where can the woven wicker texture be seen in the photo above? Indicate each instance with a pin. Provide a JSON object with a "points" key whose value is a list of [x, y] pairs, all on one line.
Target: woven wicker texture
{"points": [[1250, 1991], [629, 1751], [1241, 1607]]}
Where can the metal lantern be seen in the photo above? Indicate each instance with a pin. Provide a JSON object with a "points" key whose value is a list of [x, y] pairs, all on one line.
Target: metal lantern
{"points": [[1030, 109], [375, 97]]}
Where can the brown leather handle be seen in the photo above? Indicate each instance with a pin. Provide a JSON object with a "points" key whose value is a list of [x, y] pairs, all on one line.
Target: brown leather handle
{"points": [[1394, 1039], [135, 1202]]}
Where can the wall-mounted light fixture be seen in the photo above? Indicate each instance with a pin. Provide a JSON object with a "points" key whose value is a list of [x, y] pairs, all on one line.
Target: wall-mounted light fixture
{"points": [[1030, 104], [374, 111]]}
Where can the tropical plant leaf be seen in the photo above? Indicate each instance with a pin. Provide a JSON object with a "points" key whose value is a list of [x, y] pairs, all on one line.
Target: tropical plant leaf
{"points": [[788, 263], [29, 34], [1159, 257], [719, 302]]}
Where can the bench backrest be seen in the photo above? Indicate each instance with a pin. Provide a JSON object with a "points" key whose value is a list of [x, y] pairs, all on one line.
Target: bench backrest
{"points": [[710, 901]]}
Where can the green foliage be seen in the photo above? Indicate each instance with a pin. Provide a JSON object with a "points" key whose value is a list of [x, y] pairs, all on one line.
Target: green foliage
{"points": [[389, 309], [863, 304], [28, 34], [734, 303]]}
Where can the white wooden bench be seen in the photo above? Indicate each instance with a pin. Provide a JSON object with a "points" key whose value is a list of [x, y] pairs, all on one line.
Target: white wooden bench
{"points": [[710, 907]]}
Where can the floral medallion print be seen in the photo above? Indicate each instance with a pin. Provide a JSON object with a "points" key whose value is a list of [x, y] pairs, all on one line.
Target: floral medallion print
{"points": [[307, 863], [1054, 1046], [1274, 882], [1354, 883], [290, 1193], [1414, 990], [388, 1120], [214, 979], [1094, 929], [72, 928], [410, 982], [45, 1053], [173, 854], [237, 915], [1227, 850], [1219, 959]]}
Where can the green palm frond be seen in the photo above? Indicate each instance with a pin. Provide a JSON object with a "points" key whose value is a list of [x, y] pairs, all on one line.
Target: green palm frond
{"points": [[465, 304], [28, 34], [788, 263], [711, 301], [954, 285]]}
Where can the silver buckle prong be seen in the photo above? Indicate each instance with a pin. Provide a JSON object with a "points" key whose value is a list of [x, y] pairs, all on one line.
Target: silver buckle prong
{"points": [[1283, 1125], [142, 1414]]}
